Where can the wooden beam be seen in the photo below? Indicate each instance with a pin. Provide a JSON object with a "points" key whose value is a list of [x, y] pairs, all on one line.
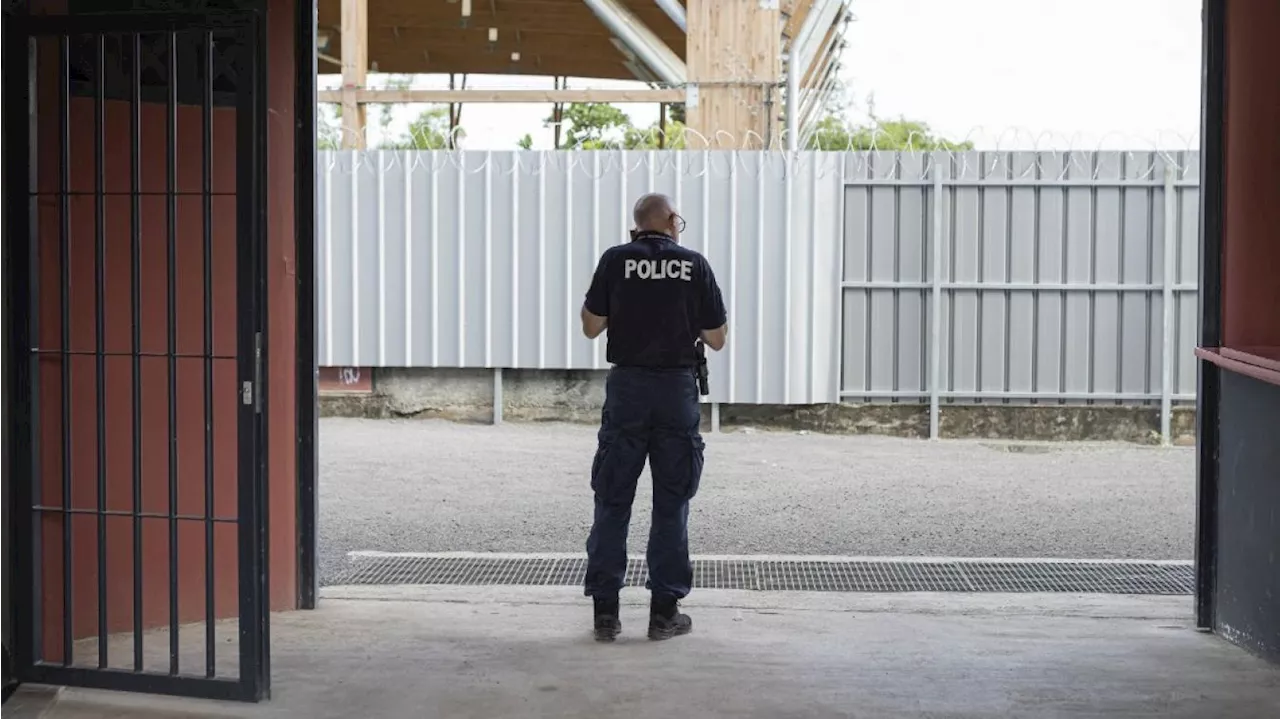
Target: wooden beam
{"points": [[443, 63], [733, 51], [820, 60], [355, 69], [497, 96], [798, 14]]}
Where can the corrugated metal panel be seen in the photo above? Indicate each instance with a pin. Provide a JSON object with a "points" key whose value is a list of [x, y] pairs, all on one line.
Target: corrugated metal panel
{"points": [[1052, 266], [1053, 272], [481, 259]]}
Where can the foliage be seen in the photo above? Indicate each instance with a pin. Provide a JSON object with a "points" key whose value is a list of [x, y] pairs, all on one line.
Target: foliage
{"points": [[526, 142], [592, 125], [653, 137], [601, 126], [393, 82], [428, 131], [832, 133]]}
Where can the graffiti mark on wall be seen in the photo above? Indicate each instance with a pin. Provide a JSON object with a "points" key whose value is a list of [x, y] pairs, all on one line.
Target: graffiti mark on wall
{"points": [[348, 376]]}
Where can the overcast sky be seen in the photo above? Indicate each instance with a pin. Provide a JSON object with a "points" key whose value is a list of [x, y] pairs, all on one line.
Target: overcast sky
{"points": [[1004, 73]]}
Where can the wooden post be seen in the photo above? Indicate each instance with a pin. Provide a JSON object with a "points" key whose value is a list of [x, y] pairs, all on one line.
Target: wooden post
{"points": [[733, 53], [557, 111], [662, 126], [355, 70]]}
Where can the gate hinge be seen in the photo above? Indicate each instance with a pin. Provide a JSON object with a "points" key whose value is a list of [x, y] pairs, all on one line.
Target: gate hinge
{"points": [[246, 393]]}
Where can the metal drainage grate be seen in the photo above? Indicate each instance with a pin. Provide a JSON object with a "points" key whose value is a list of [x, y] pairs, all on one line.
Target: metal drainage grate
{"points": [[794, 574]]}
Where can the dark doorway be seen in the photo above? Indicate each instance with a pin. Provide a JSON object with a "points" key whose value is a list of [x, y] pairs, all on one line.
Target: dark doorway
{"points": [[134, 277], [5, 567]]}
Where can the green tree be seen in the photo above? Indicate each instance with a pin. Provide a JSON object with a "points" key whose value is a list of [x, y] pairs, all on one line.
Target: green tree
{"points": [[386, 110], [428, 131], [654, 138], [593, 125], [526, 142], [832, 133], [329, 126]]}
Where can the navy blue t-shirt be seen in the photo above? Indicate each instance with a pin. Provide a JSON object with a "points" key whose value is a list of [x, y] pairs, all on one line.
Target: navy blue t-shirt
{"points": [[659, 297]]}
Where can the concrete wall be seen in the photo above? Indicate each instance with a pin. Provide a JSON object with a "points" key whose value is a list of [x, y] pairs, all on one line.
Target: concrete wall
{"points": [[577, 395]]}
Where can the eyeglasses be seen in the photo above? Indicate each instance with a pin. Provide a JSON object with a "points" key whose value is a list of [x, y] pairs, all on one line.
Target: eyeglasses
{"points": [[680, 223]]}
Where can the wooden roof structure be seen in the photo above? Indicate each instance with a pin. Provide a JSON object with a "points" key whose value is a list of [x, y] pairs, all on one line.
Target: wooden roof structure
{"points": [[552, 37], [730, 61]]}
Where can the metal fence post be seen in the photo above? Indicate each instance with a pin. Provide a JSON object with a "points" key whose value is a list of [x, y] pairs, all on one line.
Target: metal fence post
{"points": [[497, 395], [1167, 347], [935, 318]]}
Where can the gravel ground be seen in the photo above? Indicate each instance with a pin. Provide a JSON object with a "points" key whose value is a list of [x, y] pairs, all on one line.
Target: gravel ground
{"points": [[428, 486]]}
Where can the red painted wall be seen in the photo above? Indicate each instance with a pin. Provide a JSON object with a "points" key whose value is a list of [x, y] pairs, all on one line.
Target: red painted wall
{"points": [[118, 405], [1251, 225], [283, 306]]}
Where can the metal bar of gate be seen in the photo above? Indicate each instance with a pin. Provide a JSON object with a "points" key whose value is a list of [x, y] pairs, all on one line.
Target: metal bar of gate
{"points": [[100, 370], [210, 650], [171, 332], [135, 301], [64, 252]]}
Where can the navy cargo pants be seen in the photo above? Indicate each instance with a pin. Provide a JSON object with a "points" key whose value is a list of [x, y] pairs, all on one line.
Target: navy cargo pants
{"points": [[648, 414]]}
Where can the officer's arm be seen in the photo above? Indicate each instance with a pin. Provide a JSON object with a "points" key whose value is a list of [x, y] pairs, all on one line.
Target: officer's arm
{"points": [[593, 325], [595, 310], [715, 322], [716, 338]]}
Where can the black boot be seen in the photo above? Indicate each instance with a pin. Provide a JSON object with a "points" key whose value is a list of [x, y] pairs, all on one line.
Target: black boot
{"points": [[665, 619], [607, 625]]}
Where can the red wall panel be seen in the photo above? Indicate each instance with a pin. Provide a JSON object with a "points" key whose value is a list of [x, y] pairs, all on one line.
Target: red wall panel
{"points": [[1251, 224], [282, 300]]}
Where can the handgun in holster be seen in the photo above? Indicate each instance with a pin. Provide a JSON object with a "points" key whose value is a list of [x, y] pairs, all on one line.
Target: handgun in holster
{"points": [[702, 373]]}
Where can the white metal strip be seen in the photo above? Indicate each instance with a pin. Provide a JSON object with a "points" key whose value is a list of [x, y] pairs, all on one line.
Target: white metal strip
{"points": [[462, 258], [328, 265], [788, 210], [733, 263], [568, 261], [435, 268], [382, 259], [813, 278], [408, 260], [935, 299], [595, 239], [542, 260], [488, 258], [624, 202], [515, 260], [1167, 346], [760, 243], [837, 315], [355, 261]]}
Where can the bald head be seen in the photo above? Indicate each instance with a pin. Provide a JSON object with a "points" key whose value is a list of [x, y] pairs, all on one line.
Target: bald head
{"points": [[653, 213]]}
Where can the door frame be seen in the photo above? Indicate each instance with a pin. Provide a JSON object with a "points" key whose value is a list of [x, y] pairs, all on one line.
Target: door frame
{"points": [[253, 680]]}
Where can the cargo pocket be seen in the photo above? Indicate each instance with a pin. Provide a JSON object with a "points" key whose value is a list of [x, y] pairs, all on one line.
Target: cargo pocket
{"points": [[600, 465], [696, 448]]}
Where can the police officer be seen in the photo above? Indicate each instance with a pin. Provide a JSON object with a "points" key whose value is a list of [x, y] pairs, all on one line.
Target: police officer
{"points": [[656, 298]]}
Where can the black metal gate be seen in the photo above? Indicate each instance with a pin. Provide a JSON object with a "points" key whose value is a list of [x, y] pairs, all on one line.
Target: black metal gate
{"points": [[134, 239]]}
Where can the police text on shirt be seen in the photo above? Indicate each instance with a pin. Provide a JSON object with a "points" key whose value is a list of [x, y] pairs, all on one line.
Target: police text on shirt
{"points": [[658, 269]]}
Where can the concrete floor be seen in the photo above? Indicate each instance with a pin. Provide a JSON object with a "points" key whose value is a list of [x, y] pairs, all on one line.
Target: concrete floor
{"points": [[525, 652]]}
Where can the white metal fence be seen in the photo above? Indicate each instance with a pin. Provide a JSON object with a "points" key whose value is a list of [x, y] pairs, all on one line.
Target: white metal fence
{"points": [[478, 259], [1065, 277]]}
